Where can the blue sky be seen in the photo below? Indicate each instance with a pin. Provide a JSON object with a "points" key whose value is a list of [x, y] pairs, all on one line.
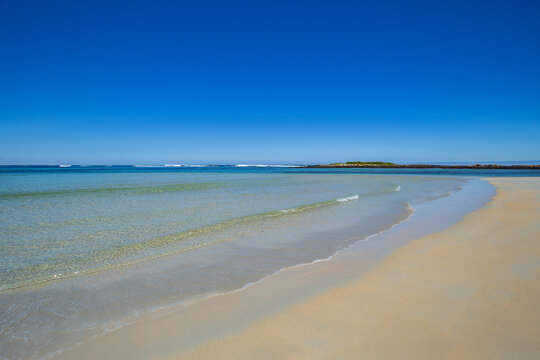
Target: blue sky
{"points": [[118, 82]]}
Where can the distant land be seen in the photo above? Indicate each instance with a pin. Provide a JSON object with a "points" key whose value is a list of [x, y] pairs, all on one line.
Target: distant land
{"points": [[383, 164]]}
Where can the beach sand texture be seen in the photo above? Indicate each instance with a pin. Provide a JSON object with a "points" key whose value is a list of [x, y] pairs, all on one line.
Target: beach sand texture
{"points": [[471, 291]]}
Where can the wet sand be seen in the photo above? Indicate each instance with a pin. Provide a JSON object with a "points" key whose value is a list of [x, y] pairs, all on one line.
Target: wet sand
{"points": [[471, 291]]}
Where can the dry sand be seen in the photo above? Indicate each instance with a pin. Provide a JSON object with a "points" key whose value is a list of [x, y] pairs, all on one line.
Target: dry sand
{"points": [[471, 291]]}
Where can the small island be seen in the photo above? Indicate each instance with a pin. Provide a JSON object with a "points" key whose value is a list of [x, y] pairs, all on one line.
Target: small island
{"points": [[384, 164]]}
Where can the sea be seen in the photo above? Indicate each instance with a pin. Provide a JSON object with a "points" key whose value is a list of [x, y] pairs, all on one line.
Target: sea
{"points": [[85, 250]]}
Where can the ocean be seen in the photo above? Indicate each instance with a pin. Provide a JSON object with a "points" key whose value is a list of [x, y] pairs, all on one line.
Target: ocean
{"points": [[87, 249]]}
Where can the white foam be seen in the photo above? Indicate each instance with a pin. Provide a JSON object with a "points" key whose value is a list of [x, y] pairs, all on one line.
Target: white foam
{"points": [[348, 198], [286, 211], [171, 165], [266, 165]]}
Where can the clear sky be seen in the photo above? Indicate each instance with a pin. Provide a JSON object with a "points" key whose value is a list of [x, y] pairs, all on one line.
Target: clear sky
{"points": [[123, 82]]}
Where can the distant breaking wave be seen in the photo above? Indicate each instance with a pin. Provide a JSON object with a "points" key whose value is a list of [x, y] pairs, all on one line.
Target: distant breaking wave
{"points": [[184, 165], [265, 165], [173, 166], [348, 198]]}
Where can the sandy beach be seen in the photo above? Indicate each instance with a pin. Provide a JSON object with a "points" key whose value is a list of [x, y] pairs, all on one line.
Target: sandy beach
{"points": [[469, 292], [269, 180]]}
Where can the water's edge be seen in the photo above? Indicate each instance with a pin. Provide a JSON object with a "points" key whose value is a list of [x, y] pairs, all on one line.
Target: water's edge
{"points": [[283, 288]]}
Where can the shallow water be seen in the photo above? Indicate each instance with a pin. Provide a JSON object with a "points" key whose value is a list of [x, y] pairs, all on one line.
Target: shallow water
{"points": [[84, 252]]}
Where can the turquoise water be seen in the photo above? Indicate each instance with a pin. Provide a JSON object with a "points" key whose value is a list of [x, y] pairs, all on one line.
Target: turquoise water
{"points": [[85, 250]]}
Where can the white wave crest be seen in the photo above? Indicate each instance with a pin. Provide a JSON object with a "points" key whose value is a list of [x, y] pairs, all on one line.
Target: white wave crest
{"points": [[348, 198], [286, 211], [171, 165], [265, 165], [397, 188]]}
